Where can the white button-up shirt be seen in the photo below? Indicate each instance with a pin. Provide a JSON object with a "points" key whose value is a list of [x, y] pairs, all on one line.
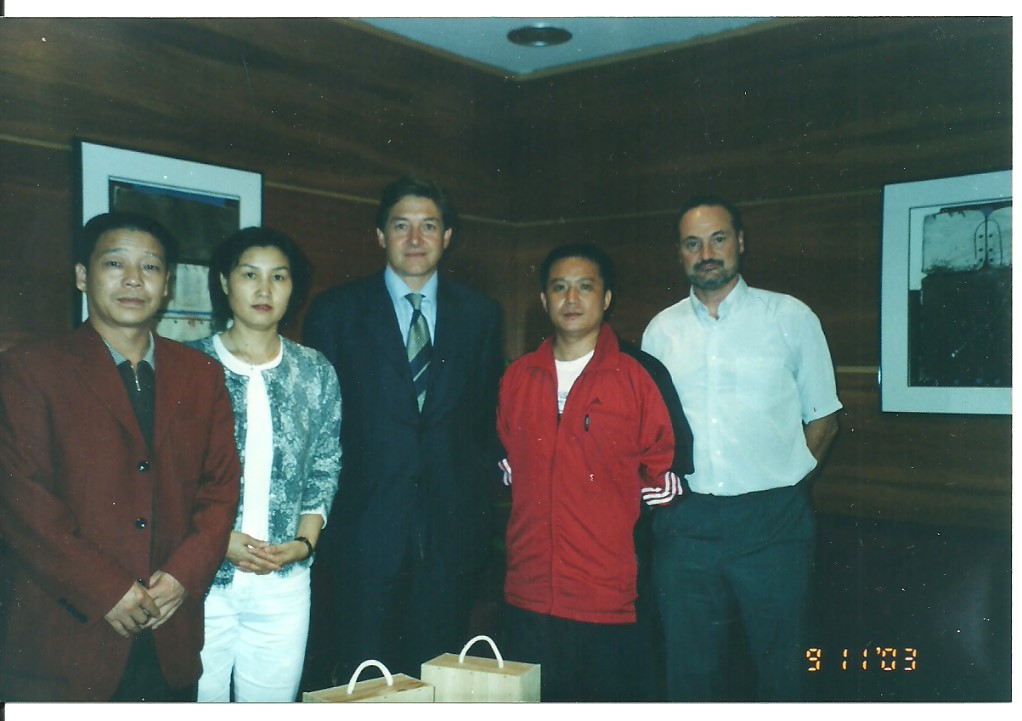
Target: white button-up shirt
{"points": [[748, 380]]}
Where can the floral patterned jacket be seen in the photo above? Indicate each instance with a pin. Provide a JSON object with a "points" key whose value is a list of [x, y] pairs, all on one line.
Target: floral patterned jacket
{"points": [[305, 406]]}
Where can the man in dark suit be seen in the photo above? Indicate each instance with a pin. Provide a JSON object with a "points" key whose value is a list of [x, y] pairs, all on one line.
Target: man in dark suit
{"points": [[118, 488], [418, 378]]}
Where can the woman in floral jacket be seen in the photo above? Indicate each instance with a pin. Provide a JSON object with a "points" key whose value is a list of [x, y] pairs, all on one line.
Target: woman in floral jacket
{"points": [[287, 417]]}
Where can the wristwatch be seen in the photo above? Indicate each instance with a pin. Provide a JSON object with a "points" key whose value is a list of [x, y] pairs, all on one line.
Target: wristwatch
{"points": [[308, 545]]}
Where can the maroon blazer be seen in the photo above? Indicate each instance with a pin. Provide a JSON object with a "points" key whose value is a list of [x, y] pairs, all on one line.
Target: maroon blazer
{"points": [[86, 508]]}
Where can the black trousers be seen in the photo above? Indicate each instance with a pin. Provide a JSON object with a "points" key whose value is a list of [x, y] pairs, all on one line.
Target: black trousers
{"points": [[143, 680], [589, 662], [401, 621], [722, 561]]}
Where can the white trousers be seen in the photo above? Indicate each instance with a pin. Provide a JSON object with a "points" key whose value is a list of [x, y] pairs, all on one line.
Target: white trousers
{"points": [[256, 631]]}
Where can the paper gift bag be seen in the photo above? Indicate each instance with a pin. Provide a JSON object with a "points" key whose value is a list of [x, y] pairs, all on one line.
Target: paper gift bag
{"points": [[389, 689], [473, 679]]}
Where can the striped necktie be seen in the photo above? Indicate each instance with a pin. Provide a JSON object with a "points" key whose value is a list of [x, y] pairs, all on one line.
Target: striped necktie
{"points": [[419, 348]]}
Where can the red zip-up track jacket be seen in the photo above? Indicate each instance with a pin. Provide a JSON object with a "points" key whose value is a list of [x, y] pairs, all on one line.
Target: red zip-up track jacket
{"points": [[577, 480]]}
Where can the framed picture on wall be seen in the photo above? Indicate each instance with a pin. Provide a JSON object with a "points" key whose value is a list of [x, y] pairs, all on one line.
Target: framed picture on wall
{"points": [[946, 296], [199, 204]]}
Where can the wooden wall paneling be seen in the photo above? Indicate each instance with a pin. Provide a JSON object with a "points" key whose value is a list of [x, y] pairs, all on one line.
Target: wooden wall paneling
{"points": [[376, 109], [483, 256], [924, 468], [525, 322], [336, 234], [827, 105], [326, 113], [36, 275], [825, 251], [648, 277], [306, 101]]}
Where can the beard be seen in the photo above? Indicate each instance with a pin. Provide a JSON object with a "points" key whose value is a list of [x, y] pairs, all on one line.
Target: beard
{"points": [[712, 282]]}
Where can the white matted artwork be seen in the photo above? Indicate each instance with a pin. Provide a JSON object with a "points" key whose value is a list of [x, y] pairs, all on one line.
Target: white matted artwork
{"points": [[199, 204], [946, 296]]}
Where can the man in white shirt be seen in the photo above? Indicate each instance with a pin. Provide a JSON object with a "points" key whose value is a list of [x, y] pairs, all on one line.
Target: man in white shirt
{"points": [[755, 378]]}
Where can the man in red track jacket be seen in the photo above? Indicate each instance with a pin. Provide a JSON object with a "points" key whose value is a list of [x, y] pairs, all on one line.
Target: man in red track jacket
{"points": [[589, 437]]}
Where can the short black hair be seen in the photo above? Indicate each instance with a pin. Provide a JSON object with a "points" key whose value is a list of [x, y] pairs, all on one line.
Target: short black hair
{"points": [[403, 187], [586, 251], [711, 201], [227, 255], [90, 233]]}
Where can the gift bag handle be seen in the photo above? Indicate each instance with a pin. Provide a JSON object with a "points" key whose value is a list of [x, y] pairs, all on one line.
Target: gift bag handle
{"points": [[361, 667], [500, 659]]}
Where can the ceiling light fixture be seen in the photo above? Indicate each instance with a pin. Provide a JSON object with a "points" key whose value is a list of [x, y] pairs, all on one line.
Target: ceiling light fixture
{"points": [[538, 36]]}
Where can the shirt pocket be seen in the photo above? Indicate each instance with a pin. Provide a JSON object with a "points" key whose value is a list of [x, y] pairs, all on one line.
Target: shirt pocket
{"points": [[760, 379]]}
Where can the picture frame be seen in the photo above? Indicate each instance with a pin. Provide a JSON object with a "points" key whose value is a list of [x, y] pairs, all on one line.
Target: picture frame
{"points": [[946, 296], [200, 204]]}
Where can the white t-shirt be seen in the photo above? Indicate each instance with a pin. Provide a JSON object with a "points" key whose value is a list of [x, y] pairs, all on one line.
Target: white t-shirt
{"points": [[567, 373]]}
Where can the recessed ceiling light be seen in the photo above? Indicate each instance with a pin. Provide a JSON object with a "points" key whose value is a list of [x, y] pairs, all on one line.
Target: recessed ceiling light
{"points": [[538, 36]]}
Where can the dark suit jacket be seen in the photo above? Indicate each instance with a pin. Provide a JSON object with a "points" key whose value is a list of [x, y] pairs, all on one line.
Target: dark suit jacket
{"points": [[409, 479], [86, 508]]}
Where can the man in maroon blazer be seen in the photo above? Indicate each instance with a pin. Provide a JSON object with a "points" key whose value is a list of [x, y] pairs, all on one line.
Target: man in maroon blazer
{"points": [[118, 488]]}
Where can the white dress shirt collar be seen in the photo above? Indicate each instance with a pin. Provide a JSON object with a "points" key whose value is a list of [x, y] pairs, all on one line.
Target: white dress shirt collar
{"points": [[730, 302]]}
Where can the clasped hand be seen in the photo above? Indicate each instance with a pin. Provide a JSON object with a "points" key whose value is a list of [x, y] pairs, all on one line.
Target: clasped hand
{"points": [[252, 555], [143, 607]]}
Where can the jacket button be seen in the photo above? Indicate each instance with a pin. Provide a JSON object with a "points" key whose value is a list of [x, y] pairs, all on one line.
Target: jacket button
{"points": [[141, 523], [143, 466]]}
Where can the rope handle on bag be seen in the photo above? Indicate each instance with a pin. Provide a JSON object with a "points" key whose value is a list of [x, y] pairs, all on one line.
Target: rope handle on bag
{"points": [[354, 677], [500, 659]]}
